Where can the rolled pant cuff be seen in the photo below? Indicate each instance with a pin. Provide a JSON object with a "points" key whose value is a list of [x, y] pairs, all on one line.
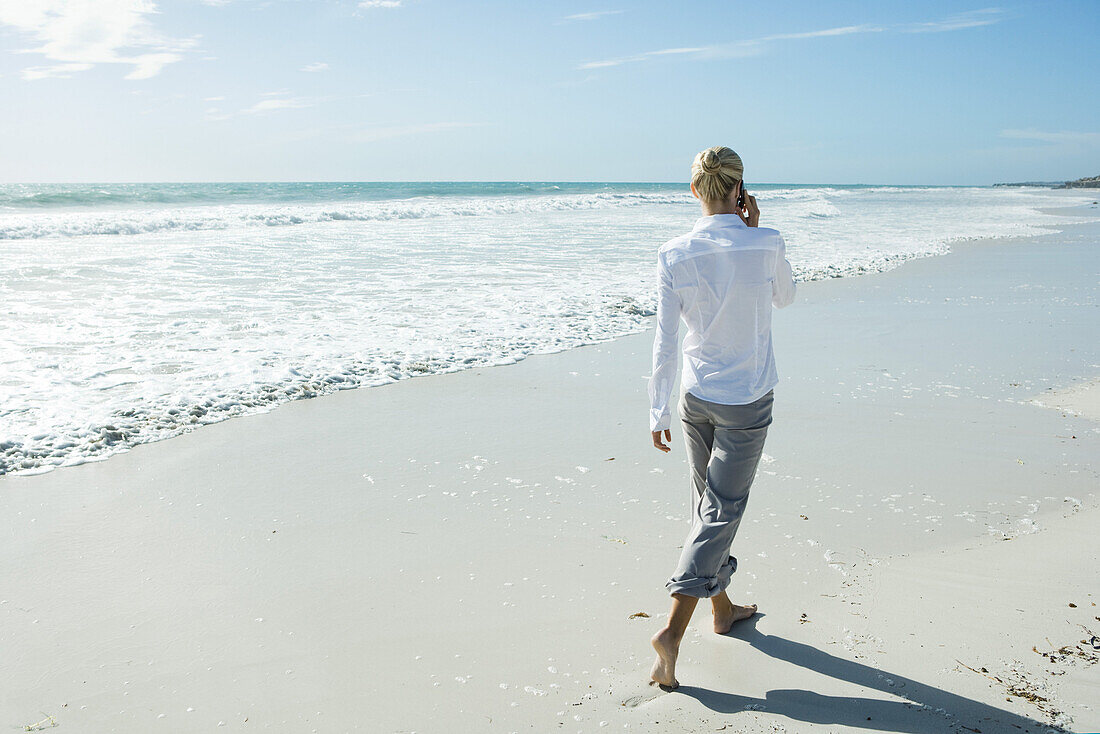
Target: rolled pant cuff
{"points": [[704, 587]]}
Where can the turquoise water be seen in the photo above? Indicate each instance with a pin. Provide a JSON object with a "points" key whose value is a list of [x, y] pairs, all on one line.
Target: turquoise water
{"points": [[43, 196]]}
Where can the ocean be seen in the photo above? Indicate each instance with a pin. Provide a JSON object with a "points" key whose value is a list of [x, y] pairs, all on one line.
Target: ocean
{"points": [[135, 312]]}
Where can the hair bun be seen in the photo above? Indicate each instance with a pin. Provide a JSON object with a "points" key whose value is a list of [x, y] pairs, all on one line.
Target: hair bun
{"points": [[714, 173], [711, 163]]}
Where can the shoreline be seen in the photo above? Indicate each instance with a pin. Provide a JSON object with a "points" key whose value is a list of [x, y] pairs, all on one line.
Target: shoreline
{"points": [[115, 437], [484, 539]]}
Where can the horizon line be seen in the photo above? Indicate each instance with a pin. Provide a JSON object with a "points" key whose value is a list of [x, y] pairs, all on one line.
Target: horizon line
{"points": [[500, 181]]}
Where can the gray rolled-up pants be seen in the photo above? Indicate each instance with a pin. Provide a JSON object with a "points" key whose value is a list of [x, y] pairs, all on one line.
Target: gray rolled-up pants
{"points": [[724, 444]]}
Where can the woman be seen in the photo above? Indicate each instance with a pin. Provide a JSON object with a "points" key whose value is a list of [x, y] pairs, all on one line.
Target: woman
{"points": [[722, 279]]}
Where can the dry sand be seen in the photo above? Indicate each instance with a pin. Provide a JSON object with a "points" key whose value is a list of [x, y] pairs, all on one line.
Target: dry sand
{"points": [[1081, 398], [465, 553]]}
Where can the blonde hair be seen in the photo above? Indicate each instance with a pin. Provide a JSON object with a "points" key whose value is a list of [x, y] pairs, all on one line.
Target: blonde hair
{"points": [[715, 171]]}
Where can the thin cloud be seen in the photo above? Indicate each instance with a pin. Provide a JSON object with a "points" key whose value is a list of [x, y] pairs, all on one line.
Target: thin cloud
{"points": [[271, 102], [757, 46], [78, 35], [959, 21], [380, 4], [845, 30], [595, 15], [57, 71], [369, 135], [1063, 137], [750, 47], [674, 51], [641, 57], [315, 66]]}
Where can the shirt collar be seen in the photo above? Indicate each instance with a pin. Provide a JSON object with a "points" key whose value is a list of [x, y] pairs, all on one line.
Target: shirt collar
{"points": [[718, 221]]}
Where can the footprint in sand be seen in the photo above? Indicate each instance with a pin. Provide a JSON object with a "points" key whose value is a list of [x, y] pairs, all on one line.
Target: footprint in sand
{"points": [[636, 701]]}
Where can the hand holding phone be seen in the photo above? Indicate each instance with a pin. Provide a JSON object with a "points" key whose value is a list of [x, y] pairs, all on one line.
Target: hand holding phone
{"points": [[747, 209]]}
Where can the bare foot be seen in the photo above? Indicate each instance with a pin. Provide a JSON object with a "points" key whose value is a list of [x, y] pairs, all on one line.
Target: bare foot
{"points": [[726, 615], [664, 669]]}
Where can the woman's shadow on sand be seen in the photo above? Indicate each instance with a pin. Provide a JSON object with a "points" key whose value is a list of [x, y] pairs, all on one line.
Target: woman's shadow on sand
{"points": [[922, 712]]}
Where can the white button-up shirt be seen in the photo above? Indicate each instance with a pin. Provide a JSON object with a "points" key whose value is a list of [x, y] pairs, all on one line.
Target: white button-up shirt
{"points": [[722, 279]]}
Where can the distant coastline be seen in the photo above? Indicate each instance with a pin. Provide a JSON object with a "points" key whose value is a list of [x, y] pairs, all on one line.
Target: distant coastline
{"points": [[1089, 182]]}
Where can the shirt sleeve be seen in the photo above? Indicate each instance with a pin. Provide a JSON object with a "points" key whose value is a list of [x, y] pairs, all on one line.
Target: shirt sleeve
{"points": [[666, 356], [783, 286]]}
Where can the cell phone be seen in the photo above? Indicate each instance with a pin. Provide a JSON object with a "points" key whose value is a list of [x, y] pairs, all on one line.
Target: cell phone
{"points": [[741, 197]]}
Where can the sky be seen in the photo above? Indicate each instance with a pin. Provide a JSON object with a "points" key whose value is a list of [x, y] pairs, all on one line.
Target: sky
{"points": [[588, 90]]}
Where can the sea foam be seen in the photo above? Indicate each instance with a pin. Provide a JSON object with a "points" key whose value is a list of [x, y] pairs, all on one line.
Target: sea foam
{"points": [[134, 313]]}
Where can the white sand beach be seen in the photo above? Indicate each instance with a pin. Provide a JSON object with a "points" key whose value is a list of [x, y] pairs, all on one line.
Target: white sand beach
{"points": [[487, 550]]}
